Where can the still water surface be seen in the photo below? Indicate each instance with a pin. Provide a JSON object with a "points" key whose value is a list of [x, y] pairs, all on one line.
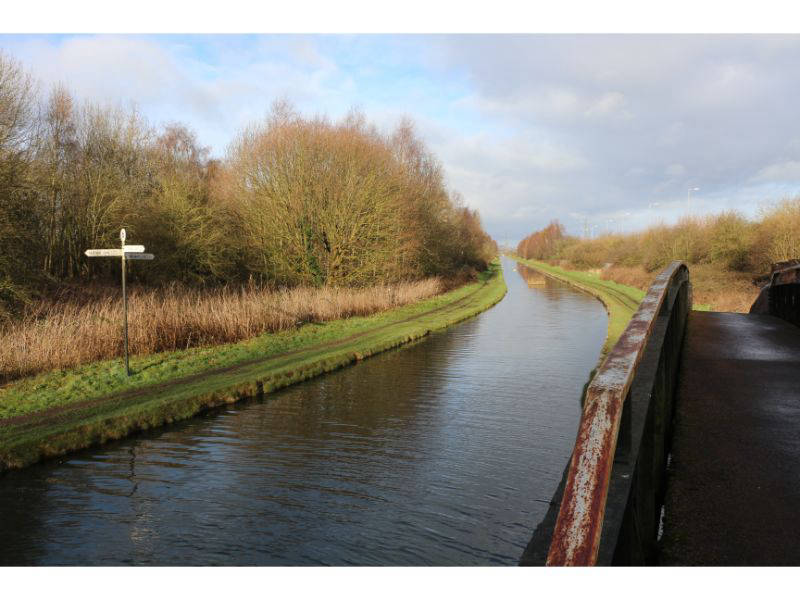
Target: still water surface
{"points": [[442, 453]]}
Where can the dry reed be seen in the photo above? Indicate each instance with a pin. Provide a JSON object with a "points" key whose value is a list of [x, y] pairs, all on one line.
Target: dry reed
{"points": [[67, 334], [722, 290]]}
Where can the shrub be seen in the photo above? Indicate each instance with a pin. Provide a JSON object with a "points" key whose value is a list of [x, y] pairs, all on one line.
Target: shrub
{"points": [[730, 241], [338, 203], [778, 234], [542, 244]]}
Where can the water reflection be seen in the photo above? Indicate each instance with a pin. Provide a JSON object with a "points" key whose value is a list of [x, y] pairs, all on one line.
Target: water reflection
{"points": [[534, 278], [446, 452]]}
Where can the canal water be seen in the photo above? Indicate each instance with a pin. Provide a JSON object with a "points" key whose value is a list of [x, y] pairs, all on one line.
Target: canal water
{"points": [[445, 452]]}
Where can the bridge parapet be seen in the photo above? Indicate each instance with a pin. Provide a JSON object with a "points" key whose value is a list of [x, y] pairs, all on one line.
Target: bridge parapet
{"points": [[784, 294], [610, 509]]}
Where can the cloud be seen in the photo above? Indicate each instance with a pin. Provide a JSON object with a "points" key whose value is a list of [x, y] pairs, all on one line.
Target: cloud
{"points": [[786, 171], [553, 102], [105, 67], [649, 115], [215, 84], [609, 103], [675, 170]]}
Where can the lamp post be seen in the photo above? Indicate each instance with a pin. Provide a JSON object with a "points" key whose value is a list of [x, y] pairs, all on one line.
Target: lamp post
{"points": [[689, 195]]}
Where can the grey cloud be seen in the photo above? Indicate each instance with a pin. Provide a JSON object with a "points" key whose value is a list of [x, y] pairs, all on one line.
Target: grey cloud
{"points": [[788, 170], [650, 116]]}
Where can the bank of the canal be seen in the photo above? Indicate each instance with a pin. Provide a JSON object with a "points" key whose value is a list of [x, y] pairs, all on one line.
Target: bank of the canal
{"points": [[66, 410]]}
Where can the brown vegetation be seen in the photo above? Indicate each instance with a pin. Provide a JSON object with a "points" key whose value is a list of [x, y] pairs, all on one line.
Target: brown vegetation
{"points": [[725, 252], [321, 203], [721, 289], [297, 201], [72, 332], [542, 244]]}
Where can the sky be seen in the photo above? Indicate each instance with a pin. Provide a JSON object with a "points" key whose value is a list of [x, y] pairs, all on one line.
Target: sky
{"points": [[602, 132]]}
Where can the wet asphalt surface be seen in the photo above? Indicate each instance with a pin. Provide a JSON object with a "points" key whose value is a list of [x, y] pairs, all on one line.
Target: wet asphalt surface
{"points": [[733, 491]]}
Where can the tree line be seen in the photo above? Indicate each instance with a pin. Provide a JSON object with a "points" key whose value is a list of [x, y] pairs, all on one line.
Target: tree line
{"points": [[726, 241], [295, 201]]}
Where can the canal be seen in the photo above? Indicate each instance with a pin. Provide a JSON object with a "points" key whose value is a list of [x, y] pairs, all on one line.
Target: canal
{"points": [[445, 452]]}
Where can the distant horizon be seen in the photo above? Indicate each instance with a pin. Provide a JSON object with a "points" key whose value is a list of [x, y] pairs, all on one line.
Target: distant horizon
{"points": [[609, 131]]}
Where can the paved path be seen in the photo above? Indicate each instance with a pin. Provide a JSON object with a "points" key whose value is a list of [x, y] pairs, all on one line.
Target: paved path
{"points": [[733, 491]]}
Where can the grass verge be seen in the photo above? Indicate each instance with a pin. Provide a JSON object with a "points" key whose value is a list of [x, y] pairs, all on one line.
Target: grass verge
{"points": [[64, 410]]}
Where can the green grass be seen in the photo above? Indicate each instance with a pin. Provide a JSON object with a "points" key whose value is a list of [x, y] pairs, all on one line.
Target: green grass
{"points": [[65, 410]]}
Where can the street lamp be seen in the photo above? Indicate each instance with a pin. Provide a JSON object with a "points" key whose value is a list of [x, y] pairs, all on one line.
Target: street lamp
{"points": [[688, 195]]}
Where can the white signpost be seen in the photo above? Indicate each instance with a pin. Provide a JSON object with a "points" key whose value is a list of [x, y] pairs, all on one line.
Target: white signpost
{"points": [[129, 252], [105, 252]]}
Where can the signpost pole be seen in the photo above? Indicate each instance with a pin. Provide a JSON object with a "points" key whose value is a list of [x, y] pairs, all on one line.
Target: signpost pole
{"points": [[124, 303], [132, 252]]}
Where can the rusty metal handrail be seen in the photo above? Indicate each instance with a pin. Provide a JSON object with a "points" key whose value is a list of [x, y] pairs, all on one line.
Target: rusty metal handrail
{"points": [[787, 276], [576, 537]]}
